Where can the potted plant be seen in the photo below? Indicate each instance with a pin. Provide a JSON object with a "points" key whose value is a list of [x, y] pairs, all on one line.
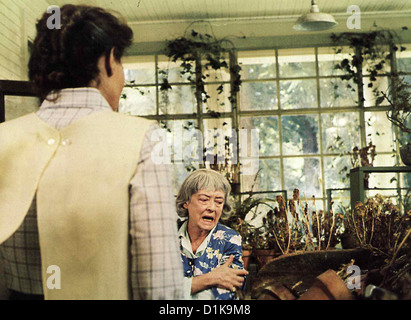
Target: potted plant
{"points": [[246, 231], [287, 231], [377, 224], [296, 229], [254, 238]]}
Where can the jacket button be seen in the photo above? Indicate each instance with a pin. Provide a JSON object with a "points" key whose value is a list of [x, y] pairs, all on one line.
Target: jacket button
{"points": [[51, 141], [66, 142]]}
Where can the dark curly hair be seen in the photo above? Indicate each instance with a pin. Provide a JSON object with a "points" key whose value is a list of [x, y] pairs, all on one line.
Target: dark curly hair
{"points": [[68, 57]]}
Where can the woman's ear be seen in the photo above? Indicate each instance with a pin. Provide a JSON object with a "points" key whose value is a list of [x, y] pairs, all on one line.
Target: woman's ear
{"points": [[109, 61], [185, 206]]}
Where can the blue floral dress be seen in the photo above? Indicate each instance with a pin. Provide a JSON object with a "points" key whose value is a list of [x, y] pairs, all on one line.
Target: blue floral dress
{"points": [[223, 242]]}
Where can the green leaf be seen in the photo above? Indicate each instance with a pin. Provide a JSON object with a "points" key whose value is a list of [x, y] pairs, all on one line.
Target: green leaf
{"points": [[379, 100]]}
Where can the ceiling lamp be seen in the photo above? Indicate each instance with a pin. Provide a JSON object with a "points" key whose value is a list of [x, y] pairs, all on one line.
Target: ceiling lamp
{"points": [[315, 20]]}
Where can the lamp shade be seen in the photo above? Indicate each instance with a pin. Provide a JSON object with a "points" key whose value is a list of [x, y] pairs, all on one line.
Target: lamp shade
{"points": [[315, 20]]}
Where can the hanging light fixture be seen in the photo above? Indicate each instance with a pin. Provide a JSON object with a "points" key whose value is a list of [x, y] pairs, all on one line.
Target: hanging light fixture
{"points": [[315, 20]]}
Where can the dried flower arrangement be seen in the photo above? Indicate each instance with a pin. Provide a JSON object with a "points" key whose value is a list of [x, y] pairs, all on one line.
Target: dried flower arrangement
{"points": [[302, 230], [382, 247], [377, 224], [360, 157], [363, 157], [285, 231]]}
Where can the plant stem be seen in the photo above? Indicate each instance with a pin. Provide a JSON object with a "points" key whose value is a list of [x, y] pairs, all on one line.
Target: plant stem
{"points": [[331, 230]]}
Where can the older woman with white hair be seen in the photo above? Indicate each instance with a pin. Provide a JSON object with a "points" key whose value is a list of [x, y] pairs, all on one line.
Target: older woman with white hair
{"points": [[211, 252]]}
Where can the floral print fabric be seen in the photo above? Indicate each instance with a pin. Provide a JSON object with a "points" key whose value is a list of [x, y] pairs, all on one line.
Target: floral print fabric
{"points": [[224, 242]]}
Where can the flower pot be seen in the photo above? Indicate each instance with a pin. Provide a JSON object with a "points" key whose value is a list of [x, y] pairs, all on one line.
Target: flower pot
{"points": [[275, 291], [405, 153], [305, 267], [246, 257], [327, 286]]}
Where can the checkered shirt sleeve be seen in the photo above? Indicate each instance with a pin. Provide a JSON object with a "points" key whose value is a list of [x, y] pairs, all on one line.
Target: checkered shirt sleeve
{"points": [[156, 269], [157, 272]]}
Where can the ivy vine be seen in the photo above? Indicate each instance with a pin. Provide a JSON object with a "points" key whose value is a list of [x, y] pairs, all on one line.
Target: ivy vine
{"points": [[374, 51], [189, 51], [369, 50]]}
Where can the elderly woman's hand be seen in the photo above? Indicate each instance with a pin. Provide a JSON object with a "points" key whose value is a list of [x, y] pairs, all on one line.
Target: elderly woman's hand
{"points": [[228, 278], [222, 277]]}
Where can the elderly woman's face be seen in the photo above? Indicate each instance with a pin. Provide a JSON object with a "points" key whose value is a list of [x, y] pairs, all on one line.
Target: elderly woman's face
{"points": [[204, 209]]}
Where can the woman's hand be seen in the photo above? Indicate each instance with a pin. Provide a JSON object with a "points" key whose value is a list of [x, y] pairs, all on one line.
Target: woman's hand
{"points": [[227, 278], [222, 277]]}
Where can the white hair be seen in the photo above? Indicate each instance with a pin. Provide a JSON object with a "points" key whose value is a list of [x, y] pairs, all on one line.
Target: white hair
{"points": [[203, 179]]}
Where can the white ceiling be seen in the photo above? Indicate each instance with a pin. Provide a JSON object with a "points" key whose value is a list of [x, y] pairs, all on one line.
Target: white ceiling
{"points": [[157, 20], [172, 10]]}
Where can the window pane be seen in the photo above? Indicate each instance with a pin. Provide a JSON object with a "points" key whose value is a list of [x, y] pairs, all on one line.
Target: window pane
{"points": [[139, 69], [172, 71], [258, 96], [138, 101], [179, 172], [303, 174], [215, 132], [296, 62], [341, 200], [300, 134], [328, 59], [371, 93], [404, 59], [257, 64], [335, 92], [335, 172], [340, 132], [381, 60], [298, 94], [405, 180], [184, 141], [179, 99], [212, 75], [268, 133], [379, 131], [384, 160], [218, 100], [269, 175], [383, 180]]}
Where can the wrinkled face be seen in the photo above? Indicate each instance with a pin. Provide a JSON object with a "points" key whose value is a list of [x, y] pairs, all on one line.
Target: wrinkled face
{"points": [[205, 209]]}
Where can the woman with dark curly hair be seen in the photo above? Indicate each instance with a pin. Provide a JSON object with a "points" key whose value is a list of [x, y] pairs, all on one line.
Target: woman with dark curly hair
{"points": [[66, 57], [80, 216]]}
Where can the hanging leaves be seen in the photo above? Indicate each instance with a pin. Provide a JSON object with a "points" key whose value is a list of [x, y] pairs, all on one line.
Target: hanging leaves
{"points": [[190, 51]]}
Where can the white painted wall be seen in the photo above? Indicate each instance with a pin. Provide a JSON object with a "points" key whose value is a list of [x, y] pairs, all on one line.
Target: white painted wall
{"points": [[17, 25]]}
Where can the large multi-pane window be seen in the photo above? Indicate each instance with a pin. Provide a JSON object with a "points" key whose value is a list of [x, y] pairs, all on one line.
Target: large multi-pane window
{"points": [[308, 118]]}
